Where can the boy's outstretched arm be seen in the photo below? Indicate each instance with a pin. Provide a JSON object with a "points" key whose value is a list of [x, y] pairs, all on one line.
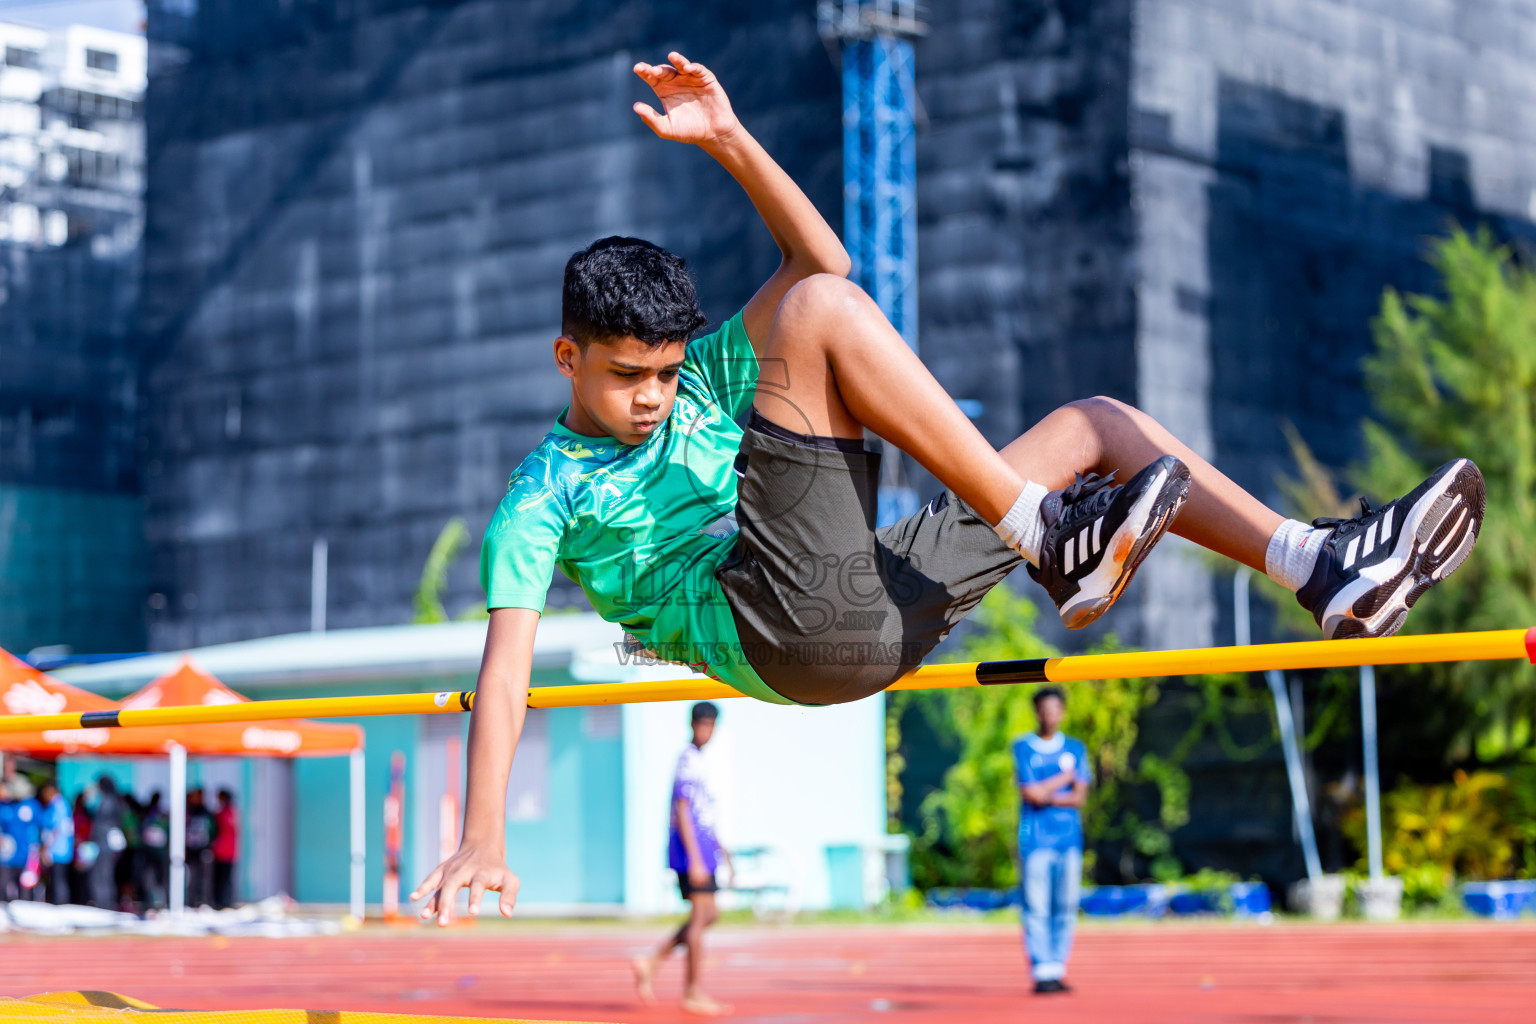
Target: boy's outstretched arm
{"points": [[495, 724], [695, 109]]}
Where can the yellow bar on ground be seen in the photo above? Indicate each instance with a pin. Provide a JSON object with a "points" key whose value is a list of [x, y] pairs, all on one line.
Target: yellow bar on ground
{"points": [[108, 1007]]}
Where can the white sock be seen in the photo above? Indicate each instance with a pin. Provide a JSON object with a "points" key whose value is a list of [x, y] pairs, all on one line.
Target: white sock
{"points": [[1292, 553], [1023, 528]]}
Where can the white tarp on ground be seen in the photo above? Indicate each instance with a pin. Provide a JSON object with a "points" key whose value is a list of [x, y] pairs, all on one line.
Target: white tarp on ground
{"points": [[270, 917]]}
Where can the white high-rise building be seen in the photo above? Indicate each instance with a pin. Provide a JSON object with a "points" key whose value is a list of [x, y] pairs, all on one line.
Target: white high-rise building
{"points": [[71, 136]]}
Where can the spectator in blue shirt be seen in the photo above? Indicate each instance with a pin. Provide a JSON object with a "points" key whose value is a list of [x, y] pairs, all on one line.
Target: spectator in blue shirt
{"points": [[12, 856], [1053, 775], [58, 841], [20, 838]]}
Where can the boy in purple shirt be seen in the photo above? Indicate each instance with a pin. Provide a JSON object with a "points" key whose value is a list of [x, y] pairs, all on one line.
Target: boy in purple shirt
{"points": [[695, 853]]}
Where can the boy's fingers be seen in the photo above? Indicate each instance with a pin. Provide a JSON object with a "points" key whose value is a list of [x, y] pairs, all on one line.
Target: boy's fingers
{"points": [[428, 884], [509, 886], [648, 114], [449, 894], [442, 899], [476, 892], [678, 61]]}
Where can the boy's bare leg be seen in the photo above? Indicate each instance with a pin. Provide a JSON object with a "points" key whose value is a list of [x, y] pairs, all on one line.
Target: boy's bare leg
{"points": [[833, 365], [1100, 435], [694, 998], [645, 967], [841, 367], [702, 913]]}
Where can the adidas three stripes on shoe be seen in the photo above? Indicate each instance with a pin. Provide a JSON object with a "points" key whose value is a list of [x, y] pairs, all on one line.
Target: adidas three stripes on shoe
{"points": [[1372, 568], [1097, 533]]}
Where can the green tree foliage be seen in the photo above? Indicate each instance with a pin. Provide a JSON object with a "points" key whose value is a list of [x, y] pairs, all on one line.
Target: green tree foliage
{"points": [[1456, 376], [1480, 825], [445, 551], [969, 827]]}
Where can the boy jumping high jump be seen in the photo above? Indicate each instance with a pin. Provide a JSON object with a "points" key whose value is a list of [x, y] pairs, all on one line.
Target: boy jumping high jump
{"points": [[751, 553]]}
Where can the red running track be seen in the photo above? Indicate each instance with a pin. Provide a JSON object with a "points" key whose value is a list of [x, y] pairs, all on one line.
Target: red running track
{"points": [[914, 974]]}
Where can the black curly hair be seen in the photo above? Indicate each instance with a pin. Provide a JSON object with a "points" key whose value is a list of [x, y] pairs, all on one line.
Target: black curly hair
{"points": [[1046, 692], [621, 287]]}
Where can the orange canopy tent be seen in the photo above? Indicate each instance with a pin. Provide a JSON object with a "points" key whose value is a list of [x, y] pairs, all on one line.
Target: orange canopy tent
{"points": [[26, 691], [190, 685]]}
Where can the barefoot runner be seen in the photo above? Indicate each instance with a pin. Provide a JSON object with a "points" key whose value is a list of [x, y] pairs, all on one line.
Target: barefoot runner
{"points": [[695, 853]]}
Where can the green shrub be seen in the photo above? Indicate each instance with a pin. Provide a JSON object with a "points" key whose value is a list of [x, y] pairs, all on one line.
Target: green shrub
{"points": [[1479, 826]]}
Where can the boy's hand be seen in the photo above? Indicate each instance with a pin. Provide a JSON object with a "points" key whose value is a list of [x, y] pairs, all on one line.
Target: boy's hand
{"points": [[698, 875], [695, 107], [478, 869]]}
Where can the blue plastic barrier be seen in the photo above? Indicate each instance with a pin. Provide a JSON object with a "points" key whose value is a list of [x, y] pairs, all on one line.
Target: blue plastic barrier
{"points": [[1499, 899], [973, 899], [1247, 899], [1115, 900]]}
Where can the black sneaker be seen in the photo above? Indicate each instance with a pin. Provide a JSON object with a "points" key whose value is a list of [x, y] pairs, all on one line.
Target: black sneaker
{"points": [[1372, 568], [1045, 988], [1097, 533]]}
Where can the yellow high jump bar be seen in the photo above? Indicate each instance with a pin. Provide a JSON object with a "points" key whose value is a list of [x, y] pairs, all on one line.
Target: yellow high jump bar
{"points": [[1491, 645]]}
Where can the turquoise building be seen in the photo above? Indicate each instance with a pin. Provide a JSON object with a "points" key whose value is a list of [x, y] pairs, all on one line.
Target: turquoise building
{"points": [[588, 800]]}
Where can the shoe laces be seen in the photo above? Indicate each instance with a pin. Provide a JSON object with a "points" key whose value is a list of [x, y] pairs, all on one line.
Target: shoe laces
{"points": [[1088, 495], [1343, 524]]}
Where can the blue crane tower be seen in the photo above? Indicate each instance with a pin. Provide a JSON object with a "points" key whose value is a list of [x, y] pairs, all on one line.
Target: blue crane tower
{"points": [[874, 39]]}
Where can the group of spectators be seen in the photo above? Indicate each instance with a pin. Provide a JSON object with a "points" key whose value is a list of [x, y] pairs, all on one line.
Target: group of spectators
{"points": [[109, 849]]}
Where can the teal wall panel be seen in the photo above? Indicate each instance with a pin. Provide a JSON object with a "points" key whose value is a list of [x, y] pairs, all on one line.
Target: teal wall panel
{"points": [[75, 773], [322, 826], [602, 811], [575, 853], [73, 569]]}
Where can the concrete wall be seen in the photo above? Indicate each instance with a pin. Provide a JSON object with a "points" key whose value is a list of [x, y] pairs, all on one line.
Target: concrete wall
{"points": [[72, 562], [356, 236], [1290, 159], [358, 215]]}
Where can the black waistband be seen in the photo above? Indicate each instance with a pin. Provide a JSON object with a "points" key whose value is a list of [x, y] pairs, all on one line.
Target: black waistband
{"points": [[763, 425]]}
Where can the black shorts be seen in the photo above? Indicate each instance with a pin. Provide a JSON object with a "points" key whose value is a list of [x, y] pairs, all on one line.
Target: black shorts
{"points": [[830, 609], [687, 888]]}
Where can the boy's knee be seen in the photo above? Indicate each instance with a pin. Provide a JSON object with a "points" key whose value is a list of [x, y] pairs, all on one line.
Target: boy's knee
{"points": [[1098, 406], [1099, 412], [818, 297]]}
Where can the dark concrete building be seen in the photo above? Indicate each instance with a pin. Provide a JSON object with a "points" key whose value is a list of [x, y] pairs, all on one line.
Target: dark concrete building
{"points": [[358, 223], [358, 215], [72, 555], [72, 551]]}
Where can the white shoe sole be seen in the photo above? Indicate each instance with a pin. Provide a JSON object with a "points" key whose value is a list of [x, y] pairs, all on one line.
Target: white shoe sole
{"points": [[1436, 536]]}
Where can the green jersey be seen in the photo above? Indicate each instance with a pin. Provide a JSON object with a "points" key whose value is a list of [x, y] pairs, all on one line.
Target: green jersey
{"points": [[641, 527]]}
